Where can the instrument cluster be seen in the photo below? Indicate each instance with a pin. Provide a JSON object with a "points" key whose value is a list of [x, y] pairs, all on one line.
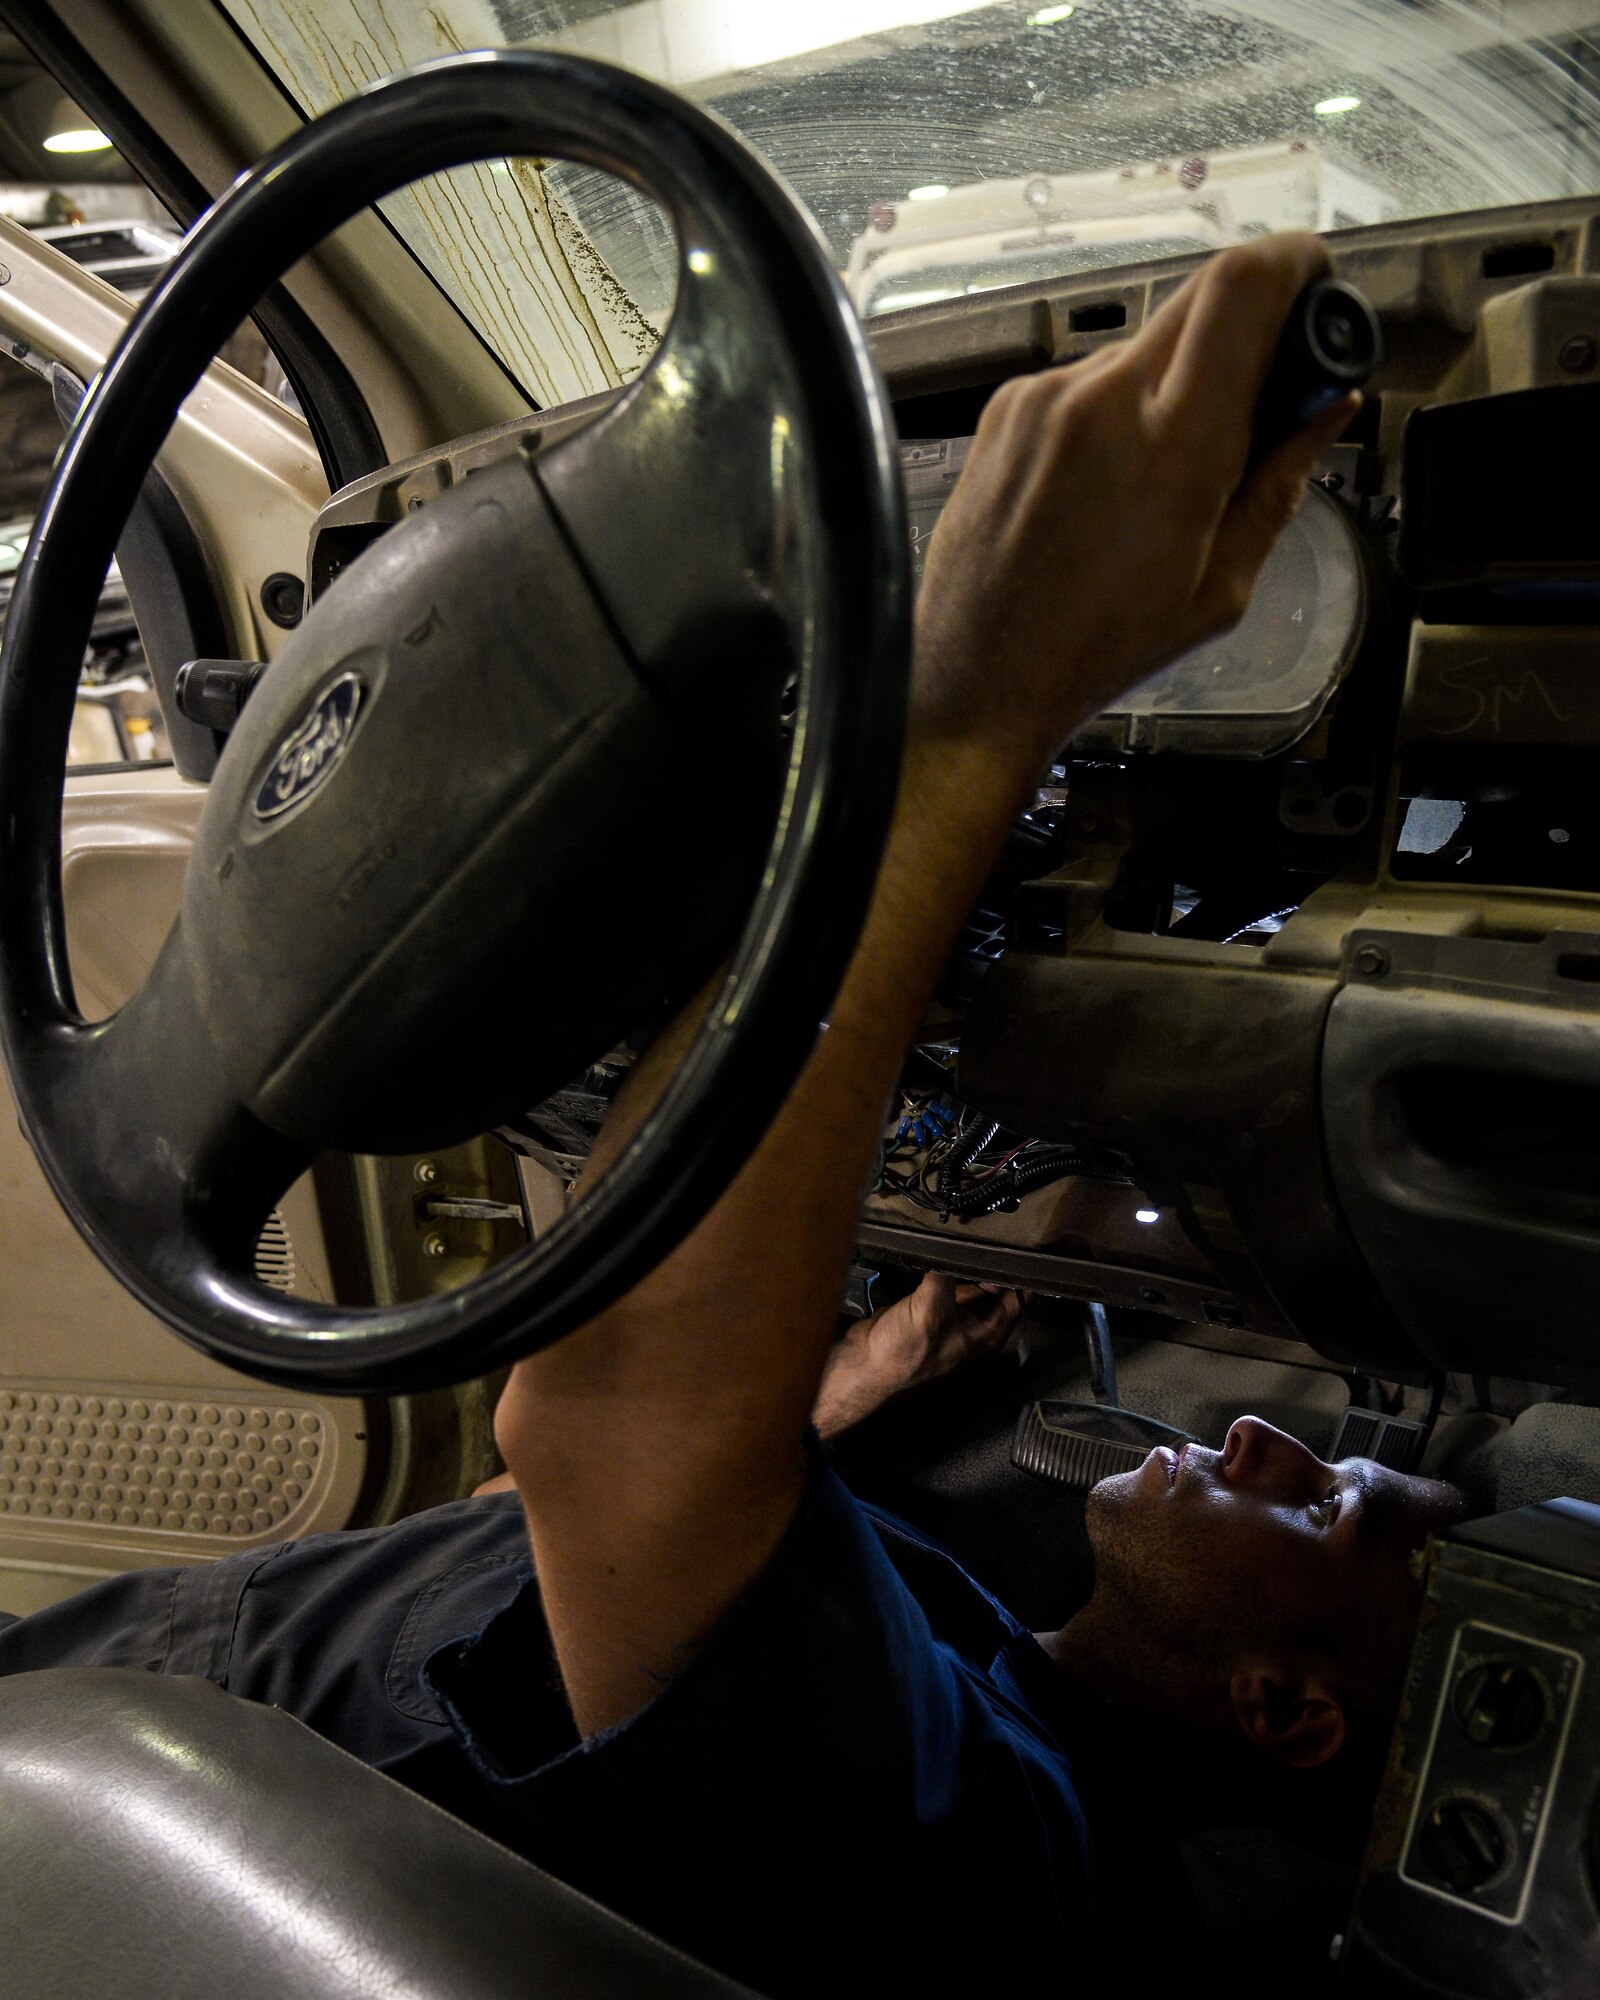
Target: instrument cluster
{"points": [[1251, 692]]}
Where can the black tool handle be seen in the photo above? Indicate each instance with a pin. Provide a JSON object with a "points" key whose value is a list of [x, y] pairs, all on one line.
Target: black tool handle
{"points": [[1331, 344]]}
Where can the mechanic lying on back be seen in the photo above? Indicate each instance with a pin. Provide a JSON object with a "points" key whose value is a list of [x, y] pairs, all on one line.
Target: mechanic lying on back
{"points": [[770, 1726]]}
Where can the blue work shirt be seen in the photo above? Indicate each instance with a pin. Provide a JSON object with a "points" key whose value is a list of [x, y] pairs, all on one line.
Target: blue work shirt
{"points": [[863, 1782]]}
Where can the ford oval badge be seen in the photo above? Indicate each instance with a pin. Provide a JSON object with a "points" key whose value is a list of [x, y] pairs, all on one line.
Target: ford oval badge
{"points": [[309, 752]]}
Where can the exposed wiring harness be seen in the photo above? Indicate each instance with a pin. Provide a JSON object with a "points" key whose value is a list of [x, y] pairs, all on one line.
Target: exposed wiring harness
{"points": [[957, 1164]]}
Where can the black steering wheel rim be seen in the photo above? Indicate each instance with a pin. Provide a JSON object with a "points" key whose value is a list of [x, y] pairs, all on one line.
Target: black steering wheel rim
{"points": [[841, 780]]}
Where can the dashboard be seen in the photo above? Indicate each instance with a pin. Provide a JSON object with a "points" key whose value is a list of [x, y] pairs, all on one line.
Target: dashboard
{"points": [[1276, 1019], [1294, 953]]}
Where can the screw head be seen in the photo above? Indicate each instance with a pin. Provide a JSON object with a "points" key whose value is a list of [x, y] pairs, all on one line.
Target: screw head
{"points": [[1373, 960], [435, 1246], [427, 1172], [1151, 1296], [1578, 355], [1332, 482]]}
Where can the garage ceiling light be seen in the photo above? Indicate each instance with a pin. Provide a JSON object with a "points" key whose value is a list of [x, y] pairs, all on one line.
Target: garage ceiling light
{"points": [[71, 132], [1047, 17], [931, 192], [1334, 107]]}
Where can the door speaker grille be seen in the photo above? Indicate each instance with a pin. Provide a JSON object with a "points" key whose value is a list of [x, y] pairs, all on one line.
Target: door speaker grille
{"points": [[275, 1265]]}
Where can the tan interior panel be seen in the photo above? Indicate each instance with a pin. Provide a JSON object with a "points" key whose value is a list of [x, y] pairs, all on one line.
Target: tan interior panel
{"points": [[125, 838]]}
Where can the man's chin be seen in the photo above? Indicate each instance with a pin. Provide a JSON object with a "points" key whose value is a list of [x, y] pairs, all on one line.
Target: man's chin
{"points": [[1109, 1502]]}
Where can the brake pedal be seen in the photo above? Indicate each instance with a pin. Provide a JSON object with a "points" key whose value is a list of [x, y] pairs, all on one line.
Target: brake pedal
{"points": [[1079, 1444]]}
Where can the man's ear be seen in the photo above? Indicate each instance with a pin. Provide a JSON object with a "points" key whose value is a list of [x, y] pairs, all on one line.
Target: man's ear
{"points": [[1292, 1713]]}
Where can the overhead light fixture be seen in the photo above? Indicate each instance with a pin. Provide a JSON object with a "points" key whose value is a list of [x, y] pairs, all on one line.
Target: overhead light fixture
{"points": [[931, 192], [1147, 1215], [71, 132], [1335, 107], [1047, 17]]}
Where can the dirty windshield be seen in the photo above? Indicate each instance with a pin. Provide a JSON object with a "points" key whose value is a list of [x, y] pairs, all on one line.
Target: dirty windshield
{"points": [[946, 148]]}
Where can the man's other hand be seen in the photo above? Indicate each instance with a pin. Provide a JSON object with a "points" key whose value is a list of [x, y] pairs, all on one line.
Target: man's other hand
{"points": [[927, 1333]]}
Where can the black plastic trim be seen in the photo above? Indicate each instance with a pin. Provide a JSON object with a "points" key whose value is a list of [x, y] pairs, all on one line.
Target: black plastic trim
{"points": [[170, 591], [120, 769]]}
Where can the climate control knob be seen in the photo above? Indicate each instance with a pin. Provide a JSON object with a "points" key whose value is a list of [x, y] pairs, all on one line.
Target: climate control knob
{"points": [[1463, 1844], [1499, 1705]]}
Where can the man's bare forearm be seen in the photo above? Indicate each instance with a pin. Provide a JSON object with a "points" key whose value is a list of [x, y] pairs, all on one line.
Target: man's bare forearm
{"points": [[705, 1375]]}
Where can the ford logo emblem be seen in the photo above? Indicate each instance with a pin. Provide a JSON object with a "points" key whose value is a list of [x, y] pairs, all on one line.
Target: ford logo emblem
{"points": [[305, 757]]}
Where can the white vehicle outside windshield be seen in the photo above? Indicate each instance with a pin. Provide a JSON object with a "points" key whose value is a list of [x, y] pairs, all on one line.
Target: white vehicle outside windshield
{"points": [[943, 242], [879, 112]]}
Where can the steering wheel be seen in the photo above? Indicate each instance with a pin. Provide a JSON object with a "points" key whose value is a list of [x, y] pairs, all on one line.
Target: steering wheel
{"points": [[514, 780]]}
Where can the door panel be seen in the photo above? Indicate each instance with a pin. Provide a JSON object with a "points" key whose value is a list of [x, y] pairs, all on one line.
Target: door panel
{"points": [[119, 1446]]}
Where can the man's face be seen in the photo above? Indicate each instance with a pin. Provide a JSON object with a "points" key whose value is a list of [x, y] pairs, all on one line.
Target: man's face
{"points": [[1216, 1551]]}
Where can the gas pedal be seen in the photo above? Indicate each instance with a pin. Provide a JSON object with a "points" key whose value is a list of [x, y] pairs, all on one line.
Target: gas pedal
{"points": [[1397, 1442]]}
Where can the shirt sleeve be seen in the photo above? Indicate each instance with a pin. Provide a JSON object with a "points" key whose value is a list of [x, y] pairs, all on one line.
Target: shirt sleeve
{"points": [[828, 1797]]}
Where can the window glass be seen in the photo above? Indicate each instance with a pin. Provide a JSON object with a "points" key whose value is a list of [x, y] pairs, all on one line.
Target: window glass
{"points": [[501, 237], [945, 147]]}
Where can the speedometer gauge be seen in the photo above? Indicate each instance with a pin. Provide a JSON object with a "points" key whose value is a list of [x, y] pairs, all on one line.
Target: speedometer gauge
{"points": [[1252, 692]]}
